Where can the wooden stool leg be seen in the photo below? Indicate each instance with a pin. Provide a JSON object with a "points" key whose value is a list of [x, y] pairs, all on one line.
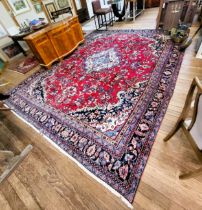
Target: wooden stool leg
{"points": [[110, 19], [102, 20], [190, 174], [5, 155], [113, 18], [105, 21], [174, 130], [3, 108], [14, 162], [95, 21], [99, 21]]}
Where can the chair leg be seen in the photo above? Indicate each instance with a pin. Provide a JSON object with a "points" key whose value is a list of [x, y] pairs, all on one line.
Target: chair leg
{"points": [[5, 109], [14, 162], [5, 155], [102, 22], [98, 19], [105, 21], [190, 174], [94, 17], [2, 108], [112, 21], [174, 130]]}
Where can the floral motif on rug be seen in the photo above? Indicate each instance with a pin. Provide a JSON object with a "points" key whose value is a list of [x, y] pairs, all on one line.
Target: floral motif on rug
{"points": [[104, 104]]}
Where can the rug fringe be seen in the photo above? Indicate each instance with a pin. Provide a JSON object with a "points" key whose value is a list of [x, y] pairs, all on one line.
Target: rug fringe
{"points": [[125, 201]]}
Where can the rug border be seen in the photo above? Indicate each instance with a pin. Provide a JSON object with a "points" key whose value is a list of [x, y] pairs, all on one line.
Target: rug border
{"points": [[124, 200], [161, 116]]}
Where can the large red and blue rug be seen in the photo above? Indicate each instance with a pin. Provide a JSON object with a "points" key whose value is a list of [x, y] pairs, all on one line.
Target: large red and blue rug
{"points": [[105, 103]]}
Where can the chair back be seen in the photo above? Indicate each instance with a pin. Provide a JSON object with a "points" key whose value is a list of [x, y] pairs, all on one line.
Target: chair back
{"points": [[195, 127], [96, 6]]}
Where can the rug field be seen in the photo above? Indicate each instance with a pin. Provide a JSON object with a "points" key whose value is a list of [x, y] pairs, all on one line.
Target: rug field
{"points": [[105, 103]]}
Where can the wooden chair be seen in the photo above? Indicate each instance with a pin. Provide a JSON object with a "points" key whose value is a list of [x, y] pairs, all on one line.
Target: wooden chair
{"points": [[3, 83], [8, 160], [192, 128], [101, 13], [3, 108]]}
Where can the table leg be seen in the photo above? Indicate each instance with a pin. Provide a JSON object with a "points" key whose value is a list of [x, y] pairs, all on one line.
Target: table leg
{"points": [[116, 11], [17, 43]]}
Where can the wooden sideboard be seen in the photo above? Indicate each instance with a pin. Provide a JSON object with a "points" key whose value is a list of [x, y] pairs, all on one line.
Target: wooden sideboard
{"points": [[55, 41]]}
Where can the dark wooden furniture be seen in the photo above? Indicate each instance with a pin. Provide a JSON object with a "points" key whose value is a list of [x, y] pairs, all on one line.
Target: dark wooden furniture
{"points": [[171, 12], [101, 15], [81, 10], [189, 11], [116, 10], [57, 13], [2, 107], [130, 10], [56, 41], [20, 37], [152, 3]]}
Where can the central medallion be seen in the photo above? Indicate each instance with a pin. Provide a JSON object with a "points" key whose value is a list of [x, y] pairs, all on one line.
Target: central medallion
{"points": [[102, 60]]}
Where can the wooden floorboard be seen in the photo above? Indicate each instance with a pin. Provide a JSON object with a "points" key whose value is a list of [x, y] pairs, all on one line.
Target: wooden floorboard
{"points": [[47, 179]]}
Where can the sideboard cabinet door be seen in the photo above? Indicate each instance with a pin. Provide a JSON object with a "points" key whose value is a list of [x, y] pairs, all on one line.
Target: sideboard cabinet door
{"points": [[62, 40], [77, 30], [45, 49]]}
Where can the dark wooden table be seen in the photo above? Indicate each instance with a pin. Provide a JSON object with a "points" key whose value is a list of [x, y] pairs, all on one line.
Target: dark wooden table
{"points": [[20, 37], [117, 13]]}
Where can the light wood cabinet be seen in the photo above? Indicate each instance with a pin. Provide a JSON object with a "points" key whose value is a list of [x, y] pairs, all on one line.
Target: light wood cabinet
{"points": [[76, 30], [56, 41]]}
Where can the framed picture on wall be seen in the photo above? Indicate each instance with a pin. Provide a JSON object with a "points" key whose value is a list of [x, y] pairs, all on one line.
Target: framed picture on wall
{"points": [[50, 7], [38, 7], [19, 6], [62, 3]]}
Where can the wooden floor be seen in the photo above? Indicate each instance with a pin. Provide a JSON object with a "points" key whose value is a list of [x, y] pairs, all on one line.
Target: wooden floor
{"points": [[49, 180]]}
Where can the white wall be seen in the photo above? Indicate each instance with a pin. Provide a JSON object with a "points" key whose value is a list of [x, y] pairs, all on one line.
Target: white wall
{"points": [[7, 21], [90, 9], [5, 17]]}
